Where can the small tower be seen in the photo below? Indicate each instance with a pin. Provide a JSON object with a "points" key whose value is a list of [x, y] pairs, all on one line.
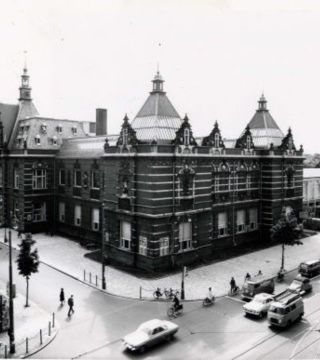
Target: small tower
{"points": [[157, 84], [262, 103], [25, 89]]}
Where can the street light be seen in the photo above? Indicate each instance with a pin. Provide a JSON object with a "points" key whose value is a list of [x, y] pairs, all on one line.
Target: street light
{"points": [[102, 252], [11, 308]]}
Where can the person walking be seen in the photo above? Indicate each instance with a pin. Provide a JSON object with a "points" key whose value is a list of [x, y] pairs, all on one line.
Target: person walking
{"points": [[61, 297], [248, 277], [70, 304], [232, 285]]}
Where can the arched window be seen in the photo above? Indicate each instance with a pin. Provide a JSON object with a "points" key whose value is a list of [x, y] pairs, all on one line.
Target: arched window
{"points": [[248, 142], [216, 140], [125, 136], [186, 137]]}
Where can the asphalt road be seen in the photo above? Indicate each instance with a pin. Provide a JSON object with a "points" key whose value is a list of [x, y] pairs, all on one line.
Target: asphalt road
{"points": [[220, 331]]}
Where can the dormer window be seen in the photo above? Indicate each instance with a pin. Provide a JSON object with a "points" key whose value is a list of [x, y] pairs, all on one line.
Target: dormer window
{"points": [[74, 130], [216, 140], [59, 129], [43, 128], [21, 128], [125, 136], [186, 135], [290, 143], [54, 140], [248, 142], [37, 139]]}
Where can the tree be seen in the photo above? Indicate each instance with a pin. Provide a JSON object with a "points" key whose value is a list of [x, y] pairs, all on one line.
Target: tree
{"points": [[286, 231], [28, 261]]}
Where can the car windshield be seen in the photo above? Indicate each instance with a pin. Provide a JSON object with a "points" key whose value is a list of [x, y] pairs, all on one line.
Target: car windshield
{"points": [[296, 283], [276, 310]]}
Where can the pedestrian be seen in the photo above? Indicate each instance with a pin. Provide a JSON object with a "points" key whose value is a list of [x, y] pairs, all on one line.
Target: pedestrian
{"points": [[70, 304], [248, 277], [259, 273], [61, 297], [19, 234], [232, 285]]}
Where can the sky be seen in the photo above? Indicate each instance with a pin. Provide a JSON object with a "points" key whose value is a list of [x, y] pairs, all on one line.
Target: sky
{"points": [[216, 56]]}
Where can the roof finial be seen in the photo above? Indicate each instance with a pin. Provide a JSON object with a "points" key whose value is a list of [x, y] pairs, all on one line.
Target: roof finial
{"points": [[25, 69]]}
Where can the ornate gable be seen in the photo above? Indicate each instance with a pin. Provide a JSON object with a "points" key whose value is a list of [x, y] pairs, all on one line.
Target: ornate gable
{"points": [[127, 135], [215, 138], [245, 141], [287, 142], [184, 135]]}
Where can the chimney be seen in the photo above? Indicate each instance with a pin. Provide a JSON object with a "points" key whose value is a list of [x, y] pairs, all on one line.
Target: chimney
{"points": [[101, 121]]}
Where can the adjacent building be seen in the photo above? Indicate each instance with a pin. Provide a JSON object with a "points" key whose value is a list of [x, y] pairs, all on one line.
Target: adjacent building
{"points": [[155, 194]]}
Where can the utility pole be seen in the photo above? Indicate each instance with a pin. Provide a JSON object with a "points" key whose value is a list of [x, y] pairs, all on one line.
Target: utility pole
{"points": [[11, 310]]}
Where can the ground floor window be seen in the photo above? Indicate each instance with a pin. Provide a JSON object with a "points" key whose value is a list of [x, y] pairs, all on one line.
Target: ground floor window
{"points": [[62, 211], [143, 245], [253, 219], [39, 212], [222, 224], [164, 246], [95, 219], [185, 236], [125, 235], [77, 215], [241, 221]]}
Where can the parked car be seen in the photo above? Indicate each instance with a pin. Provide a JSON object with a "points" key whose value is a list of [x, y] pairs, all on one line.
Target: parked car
{"points": [[285, 309], [310, 268], [256, 285], [150, 333], [259, 305], [301, 285]]}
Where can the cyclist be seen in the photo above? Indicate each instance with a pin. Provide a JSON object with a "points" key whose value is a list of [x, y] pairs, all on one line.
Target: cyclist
{"points": [[176, 303]]}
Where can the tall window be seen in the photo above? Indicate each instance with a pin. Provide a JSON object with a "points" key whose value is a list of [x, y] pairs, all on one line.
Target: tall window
{"points": [[16, 178], [164, 246], [39, 179], [1, 176], [62, 211], [241, 221], [253, 218], [125, 235], [95, 219], [77, 178], [248, 142], [39, 212], [62, 177], [77, 215], [143, 245], [125, 136], [185, 236], [95, 180], [249, 181], [216, 140], [186, 136], [222, 224]]}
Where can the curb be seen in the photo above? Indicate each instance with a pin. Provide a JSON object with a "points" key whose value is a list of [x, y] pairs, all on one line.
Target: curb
{"points": [[53, 336]]}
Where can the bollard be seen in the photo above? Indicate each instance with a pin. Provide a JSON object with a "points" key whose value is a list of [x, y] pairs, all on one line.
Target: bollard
{"points": [[84, 275], [96, 280], [140, 292], [53, 319], [90, 277], [49, 328], [5, 351], [40, 336], [27, 345]]}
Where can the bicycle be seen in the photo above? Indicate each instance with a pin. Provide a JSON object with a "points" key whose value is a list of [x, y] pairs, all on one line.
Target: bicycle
{"points": [[172, 312], [234, 291]]}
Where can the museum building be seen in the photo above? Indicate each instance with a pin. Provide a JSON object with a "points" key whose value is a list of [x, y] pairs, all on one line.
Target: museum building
{"points": [[155, 194]]}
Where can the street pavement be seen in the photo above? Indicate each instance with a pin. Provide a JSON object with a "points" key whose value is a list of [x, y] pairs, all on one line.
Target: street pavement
{"points": [[101, 320]]}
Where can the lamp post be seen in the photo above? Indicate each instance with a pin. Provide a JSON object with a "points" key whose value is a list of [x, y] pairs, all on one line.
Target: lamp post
{"points": [[102, 252], [11, 309]]}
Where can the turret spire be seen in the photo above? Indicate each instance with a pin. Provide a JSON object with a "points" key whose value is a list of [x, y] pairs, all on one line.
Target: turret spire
{"points": [[157, 83], [262, 103], [25, 89]]}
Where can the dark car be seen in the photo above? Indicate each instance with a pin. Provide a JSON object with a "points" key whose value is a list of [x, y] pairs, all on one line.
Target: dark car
{"points": [[310, 268]]}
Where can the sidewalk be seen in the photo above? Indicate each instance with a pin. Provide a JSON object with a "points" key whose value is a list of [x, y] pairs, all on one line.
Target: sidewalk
{"points": [[68, 256], [25, 328]]}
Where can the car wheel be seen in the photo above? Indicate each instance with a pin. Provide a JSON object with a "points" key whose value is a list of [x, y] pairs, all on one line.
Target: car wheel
{"points": [[142, 349], [261, 315], [170, 337]]}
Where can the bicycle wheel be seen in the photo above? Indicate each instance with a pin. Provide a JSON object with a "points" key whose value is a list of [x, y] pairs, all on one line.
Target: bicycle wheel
{"points": [[155, 295], [170, 312]]}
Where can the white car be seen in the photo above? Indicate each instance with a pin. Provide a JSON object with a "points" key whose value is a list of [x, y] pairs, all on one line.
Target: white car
{"points": [[259, 305], [150, 333]]}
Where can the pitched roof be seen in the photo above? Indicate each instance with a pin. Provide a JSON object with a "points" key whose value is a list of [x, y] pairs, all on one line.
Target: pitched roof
{"points": [[263, 128], [157, 120], [8, 117], [88, 147]]}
